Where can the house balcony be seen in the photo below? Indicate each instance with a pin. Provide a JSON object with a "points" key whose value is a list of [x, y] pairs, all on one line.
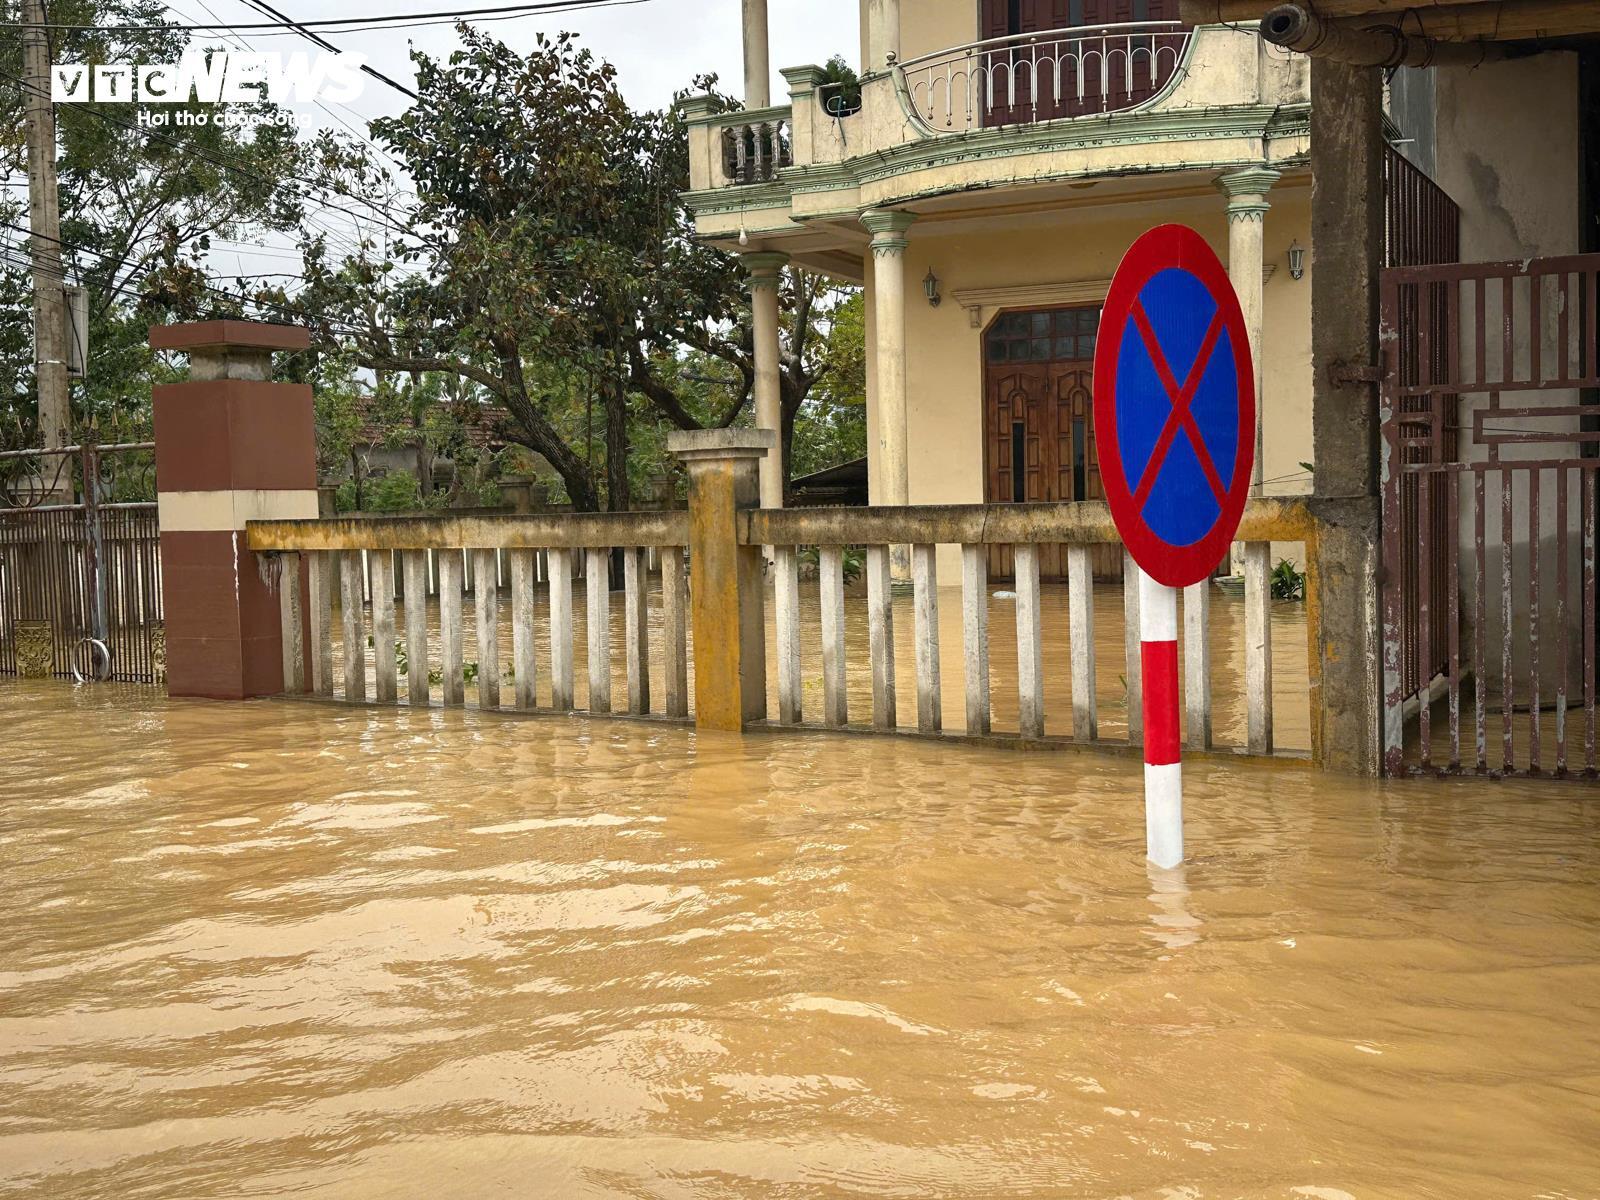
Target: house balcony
{"points": [[973, 124], [1028, 78]]}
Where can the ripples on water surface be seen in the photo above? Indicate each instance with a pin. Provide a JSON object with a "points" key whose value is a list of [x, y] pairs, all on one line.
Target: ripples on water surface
{"points": [[286, 949]]}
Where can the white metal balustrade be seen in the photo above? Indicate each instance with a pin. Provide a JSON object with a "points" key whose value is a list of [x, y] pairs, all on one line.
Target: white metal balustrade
{"points": [[1044, 76]]}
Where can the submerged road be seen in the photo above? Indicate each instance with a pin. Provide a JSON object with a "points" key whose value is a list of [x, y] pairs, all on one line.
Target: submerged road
{"points": [[289, 949]]}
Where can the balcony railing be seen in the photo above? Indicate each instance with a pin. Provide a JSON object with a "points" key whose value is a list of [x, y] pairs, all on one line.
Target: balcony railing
{"points": [[754, 150], [1045, 76]]}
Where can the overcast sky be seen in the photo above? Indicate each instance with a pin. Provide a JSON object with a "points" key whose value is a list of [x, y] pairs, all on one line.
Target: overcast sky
{"points": [[657, 46]]}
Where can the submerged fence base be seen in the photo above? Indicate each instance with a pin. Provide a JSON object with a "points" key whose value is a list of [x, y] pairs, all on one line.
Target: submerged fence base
{"points": [[713, 587]]}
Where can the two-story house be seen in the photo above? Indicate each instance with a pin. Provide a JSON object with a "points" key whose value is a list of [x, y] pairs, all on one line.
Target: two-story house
{"points": [[1003, 156], [1005, 153]]}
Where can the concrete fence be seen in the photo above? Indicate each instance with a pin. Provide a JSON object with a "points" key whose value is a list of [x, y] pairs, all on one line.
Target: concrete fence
{"points": [[719, 564]]}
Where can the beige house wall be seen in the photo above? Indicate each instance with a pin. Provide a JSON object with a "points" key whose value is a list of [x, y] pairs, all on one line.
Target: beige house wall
{"points": [[1507, 136], [944, 369], [927, 26]]}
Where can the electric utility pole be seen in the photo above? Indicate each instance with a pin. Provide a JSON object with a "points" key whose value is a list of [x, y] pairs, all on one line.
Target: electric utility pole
{"points": [[44, 219]]}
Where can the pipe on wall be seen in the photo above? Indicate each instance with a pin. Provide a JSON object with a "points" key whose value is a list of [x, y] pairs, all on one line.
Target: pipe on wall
{"points": [[1296, 28]]}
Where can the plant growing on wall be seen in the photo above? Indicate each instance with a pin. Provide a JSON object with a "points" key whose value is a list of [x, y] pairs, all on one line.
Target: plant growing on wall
{"points": [[840, 88]]}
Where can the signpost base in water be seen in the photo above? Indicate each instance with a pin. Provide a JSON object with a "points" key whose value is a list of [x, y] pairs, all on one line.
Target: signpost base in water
{"points": [[1163, 772]]}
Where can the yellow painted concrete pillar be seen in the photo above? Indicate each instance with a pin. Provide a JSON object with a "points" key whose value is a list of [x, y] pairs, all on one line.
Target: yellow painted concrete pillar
{"points": [[757, 73], [766, 272], [726, 585], [1246, 190]]}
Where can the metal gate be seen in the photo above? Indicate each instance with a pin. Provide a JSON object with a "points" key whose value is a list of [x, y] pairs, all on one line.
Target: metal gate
{"points": [[1488, 448], [80, 564]]}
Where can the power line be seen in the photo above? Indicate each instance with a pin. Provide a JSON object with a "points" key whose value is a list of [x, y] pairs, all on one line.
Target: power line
{"points": [[125, 290], [245, 44], [193, 152], [379, 21], [319, 40]]}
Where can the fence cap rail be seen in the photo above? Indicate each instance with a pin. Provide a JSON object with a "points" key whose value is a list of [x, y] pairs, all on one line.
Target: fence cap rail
{"points": [[691, 444], [510, 531], [1085, 522]]}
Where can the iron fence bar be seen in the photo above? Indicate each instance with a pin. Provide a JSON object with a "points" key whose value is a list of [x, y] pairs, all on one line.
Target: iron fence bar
{"points": [[1562, 483], [1507, 342], [1507, 681], [1423, 644], [1535, 328], [1392, 598], [1453, 616], [1534, 730], [1588, 551], [1565, 373], [94, 544], [1480, 326], [62, 451]]}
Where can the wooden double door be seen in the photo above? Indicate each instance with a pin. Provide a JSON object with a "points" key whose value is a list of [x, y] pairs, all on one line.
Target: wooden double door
{"points": [[1039, 424]]}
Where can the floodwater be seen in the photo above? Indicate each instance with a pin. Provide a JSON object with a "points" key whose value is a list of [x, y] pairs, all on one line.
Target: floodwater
{"points": [[293, 949]]}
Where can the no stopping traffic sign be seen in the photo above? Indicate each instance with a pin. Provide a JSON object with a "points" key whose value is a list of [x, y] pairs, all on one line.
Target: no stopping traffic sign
{"points": [[1174, 405], [1174, 427]]}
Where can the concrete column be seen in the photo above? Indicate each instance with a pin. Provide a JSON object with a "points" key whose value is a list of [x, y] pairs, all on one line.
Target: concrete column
{"points": [[726, 585], [889, 363], [883, 33], [888, 231], [231, 447], [766, 272], [757, 71], [1246, 190], [1346, 238]]}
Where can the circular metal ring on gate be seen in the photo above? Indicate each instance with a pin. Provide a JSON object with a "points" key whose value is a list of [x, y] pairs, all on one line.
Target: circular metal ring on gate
{"points": [[98, 673]]}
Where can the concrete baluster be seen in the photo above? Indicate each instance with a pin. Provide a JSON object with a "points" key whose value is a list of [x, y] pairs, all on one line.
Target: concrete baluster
{"points": [[975, 635], [830, 578], [1030, 643], [925, 585]]}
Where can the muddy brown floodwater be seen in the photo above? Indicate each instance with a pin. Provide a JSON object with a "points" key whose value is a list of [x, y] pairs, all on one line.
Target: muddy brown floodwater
{"points": [[291, 949]]}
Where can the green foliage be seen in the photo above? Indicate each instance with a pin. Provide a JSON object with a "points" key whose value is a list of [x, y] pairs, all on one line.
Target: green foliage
{"points": [[831, 425], [394, 492], [402, 666], [140, 209], [1288, 583], [853, 560], [840, 88], [568, 270]]}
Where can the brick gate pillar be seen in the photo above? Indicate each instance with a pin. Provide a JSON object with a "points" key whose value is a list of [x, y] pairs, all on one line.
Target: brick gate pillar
{"points": [[231, 446]]}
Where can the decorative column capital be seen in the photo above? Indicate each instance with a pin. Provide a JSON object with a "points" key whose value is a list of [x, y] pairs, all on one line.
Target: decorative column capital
{"points": [[765, 267], [1246, 189], [803, 81], [888, 228], [721, 446]]}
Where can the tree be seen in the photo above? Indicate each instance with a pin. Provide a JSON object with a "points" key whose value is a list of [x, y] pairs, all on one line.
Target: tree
{"points": [[830, 422], [140, 206], [552, 264]]}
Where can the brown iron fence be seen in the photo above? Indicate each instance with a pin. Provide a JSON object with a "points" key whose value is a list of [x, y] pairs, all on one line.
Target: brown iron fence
{"points": [[80, 564], [1490, 516], [1422, 227]]}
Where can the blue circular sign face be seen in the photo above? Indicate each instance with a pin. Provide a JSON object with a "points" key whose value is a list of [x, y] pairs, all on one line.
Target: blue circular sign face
{"points": [[1174, 406], [1180, 463]]}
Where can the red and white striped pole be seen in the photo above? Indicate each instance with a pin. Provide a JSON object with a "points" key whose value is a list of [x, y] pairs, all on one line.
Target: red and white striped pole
{"points": [[1163, 772]]}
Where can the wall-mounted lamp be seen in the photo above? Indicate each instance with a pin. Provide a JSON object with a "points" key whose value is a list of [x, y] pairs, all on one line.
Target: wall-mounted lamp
{"points": [[1297, 261], [930, 287]]}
